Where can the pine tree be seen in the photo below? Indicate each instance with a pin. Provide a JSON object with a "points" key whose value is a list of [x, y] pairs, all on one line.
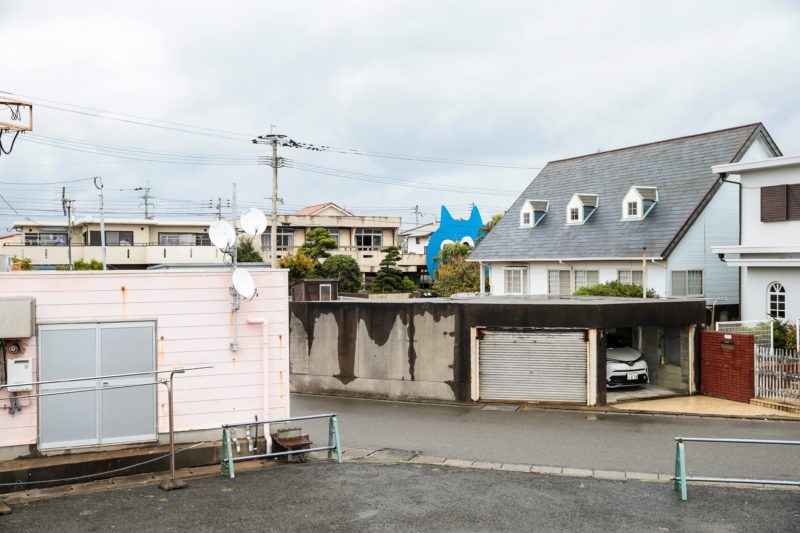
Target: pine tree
{"points": [[389, 278]]}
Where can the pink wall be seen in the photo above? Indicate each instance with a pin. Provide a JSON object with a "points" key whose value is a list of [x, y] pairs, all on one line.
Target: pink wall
{"points": [[194, 322]]}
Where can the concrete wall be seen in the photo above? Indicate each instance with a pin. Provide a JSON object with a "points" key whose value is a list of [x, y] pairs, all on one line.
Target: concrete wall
{"points": [[194, 324], [389, 350], [421, 349]]}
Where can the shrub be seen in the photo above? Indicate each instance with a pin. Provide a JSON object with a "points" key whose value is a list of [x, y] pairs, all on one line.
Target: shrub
{"points": [[615, 288], [345, 269]]}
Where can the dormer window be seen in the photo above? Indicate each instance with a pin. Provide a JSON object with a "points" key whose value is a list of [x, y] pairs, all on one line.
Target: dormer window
{"points": [[638, 202], [574, 214], [532, 212], [581, 207]]}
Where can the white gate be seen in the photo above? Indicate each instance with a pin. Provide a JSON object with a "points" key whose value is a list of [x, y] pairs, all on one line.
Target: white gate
{"points": [[530, 365], [777, 375]]}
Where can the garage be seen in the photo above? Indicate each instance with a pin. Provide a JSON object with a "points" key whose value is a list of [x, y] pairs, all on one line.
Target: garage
{"points": [[124, 412], [533, 365]]}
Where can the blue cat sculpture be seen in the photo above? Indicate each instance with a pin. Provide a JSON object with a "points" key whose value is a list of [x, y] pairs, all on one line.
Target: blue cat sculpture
{"points": [[452, 230]]}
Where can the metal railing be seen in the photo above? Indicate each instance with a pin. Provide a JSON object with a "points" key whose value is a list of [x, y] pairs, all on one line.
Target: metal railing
{"points": [[228, 459], [777, 374], [681, 480], [167, 484]]}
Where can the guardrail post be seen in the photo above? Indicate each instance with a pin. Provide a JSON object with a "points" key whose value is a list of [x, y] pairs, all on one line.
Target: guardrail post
{"points": [[333, 439], [680, 469]]}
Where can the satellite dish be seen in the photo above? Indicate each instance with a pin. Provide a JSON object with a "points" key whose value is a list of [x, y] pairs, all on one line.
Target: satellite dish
{"points": [[243, 283], [253, 221], [222, 234]]}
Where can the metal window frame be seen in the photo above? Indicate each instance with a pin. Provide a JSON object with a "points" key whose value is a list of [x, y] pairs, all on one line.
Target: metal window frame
{"points": [[98, 326]]}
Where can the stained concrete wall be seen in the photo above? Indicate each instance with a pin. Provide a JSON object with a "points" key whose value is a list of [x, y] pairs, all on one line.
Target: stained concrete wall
{"points": [[421, 349], [377, 350]]}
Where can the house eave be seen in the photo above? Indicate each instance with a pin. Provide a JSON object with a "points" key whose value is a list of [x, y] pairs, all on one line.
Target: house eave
{"points": [[562, 259]]}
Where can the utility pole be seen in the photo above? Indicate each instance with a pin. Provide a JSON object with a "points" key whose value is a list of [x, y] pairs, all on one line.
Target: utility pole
{"points": [[416, 216], [98, 183], [273, 139], [146, 197], [66, 206]]}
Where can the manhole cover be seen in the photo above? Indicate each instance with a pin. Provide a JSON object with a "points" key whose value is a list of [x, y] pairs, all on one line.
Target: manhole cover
{"points": [[501, 407], [391, 454]]}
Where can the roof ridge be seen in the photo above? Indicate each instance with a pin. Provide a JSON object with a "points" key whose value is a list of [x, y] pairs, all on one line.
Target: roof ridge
{"points": [[663, 141]]}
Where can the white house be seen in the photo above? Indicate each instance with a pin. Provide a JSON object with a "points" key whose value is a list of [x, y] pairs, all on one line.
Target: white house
{"points": [[768, 255], [602, 217]]}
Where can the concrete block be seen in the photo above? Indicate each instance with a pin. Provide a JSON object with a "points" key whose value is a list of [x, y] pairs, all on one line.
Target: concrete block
{"points": [[538, 469], [459, 463], [351, 454], [641, 476], [486, 466], [428, 460], [577, 472], [609, 474], [512, 467]]}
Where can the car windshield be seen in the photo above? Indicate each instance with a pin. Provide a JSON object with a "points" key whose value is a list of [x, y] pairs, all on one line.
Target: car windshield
{"points": [[612, 341]]}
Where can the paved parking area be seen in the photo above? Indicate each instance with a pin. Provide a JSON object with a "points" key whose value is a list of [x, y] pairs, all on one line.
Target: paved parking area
{"points": [[322, 496]]}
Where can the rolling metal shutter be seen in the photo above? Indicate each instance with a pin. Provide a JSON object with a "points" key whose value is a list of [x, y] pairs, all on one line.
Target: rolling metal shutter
{"points": [[545, 366]]}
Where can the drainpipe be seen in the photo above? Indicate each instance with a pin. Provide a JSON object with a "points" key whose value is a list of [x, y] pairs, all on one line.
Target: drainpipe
{"points": [[265, 370], [644, 273], [483, 278]]}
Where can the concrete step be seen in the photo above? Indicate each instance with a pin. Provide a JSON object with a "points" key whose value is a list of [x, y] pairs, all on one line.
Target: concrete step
{"points": [[793, 408], [48, 471]]}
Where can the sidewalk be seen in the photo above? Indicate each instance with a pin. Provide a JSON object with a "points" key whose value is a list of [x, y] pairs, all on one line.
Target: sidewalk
{"points": [[702, 406]]}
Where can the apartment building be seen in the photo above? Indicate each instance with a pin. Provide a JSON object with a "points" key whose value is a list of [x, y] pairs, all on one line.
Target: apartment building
{"points": [[140, 243]]}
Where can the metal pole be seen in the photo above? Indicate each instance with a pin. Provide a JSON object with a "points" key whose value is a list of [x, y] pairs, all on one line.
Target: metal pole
{"points": [[273, 244], [644, 273], [171, 483], [234, 259], [99, 180]]}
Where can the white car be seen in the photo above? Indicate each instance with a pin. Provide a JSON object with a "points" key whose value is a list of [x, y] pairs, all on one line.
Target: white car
{"points": [[625, 367]]}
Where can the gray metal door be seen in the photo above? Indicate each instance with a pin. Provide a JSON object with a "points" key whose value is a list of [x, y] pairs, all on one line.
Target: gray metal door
{"points": [[110, 416], [545, 366]]}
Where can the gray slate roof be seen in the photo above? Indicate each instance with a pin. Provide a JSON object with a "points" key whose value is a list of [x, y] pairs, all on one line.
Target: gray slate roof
{"points": [[680, 168]]}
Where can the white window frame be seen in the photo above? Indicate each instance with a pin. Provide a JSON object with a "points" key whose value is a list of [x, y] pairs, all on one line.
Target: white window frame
{"points": [[588, 278], [523, 280], [774, 289], [685, 274], [576, 211], [527, 219], [630, 274], [632, 209], [563, 274]]}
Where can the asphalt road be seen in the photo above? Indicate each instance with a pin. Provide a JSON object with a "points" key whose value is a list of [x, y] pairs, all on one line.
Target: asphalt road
{"points": [[634, 443], [373, 497]]}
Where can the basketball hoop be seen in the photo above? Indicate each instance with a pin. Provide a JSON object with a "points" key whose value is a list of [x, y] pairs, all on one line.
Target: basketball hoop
{"points": [[16, 117]]}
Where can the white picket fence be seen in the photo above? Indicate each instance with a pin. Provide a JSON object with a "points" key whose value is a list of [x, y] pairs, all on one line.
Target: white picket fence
{"points": [[777, 374]]}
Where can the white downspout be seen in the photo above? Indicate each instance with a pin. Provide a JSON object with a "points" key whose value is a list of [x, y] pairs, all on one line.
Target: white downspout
{"points": [[265, 371]]}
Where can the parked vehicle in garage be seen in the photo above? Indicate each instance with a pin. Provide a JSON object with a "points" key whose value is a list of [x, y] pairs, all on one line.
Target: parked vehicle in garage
{"points": [[625, 367]]}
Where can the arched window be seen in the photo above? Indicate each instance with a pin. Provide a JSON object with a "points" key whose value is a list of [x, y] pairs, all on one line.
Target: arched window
{"points": [[776, 299]]}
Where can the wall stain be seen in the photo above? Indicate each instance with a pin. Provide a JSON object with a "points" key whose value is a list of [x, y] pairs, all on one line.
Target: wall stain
{"points": [[347, 332]]}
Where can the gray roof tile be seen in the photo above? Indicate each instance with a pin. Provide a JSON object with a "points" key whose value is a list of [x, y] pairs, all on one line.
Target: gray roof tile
{"points": [[680, 168]]}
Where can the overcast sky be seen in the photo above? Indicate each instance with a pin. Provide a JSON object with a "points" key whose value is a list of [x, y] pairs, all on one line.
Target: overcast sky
{"points": [[513, 84]]}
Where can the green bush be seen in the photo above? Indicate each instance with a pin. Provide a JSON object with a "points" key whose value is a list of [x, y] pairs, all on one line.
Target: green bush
{"points": [[345, 269], [615, 288]]}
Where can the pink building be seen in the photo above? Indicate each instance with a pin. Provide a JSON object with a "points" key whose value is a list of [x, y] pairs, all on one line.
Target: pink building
{"points": [[90, 324]]}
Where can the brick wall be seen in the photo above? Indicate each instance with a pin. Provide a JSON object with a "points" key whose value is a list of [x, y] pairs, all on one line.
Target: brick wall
{"points": [[726, 365]]}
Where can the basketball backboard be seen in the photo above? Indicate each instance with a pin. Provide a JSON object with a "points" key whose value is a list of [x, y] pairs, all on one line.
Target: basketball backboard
{"points": [[15, 115]]}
